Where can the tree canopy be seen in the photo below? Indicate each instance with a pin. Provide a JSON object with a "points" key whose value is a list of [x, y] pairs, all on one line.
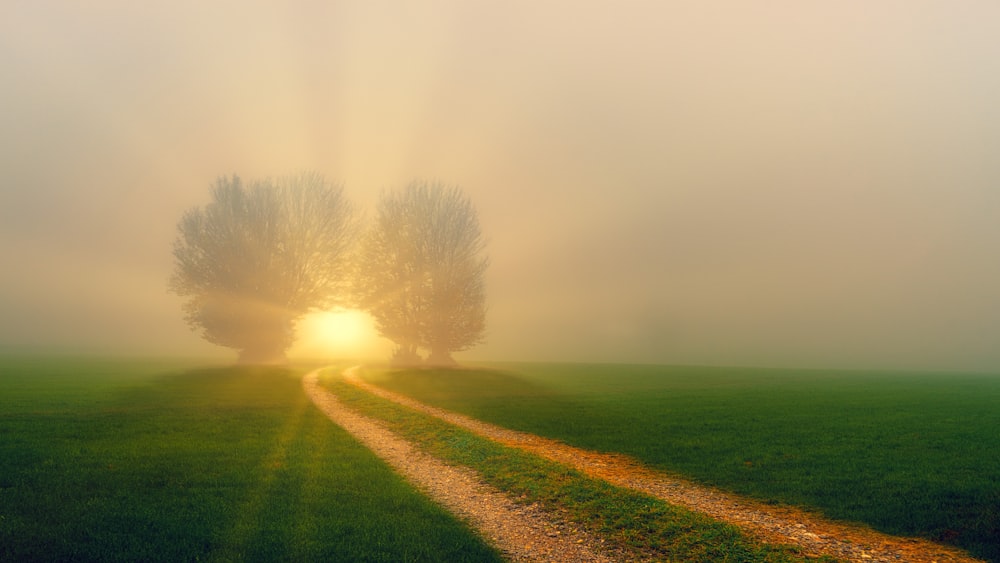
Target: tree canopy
{"points": [[421, 272], [261, 255]]}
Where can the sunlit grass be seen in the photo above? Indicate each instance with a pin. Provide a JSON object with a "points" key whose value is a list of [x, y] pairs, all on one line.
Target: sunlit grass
{"points": [[621, 517], [129, 461], [909, 454]]}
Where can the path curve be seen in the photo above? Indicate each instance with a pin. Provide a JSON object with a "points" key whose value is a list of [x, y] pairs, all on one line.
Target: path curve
{"points": [[782, 525], [522, 533]]}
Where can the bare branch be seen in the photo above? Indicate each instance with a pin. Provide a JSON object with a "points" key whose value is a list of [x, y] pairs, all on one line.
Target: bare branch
{"points": [[259, 256], [420, 272]]}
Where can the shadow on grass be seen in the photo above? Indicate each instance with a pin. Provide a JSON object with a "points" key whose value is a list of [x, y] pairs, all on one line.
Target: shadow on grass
{"points": [[216, 463], [909, 454]]}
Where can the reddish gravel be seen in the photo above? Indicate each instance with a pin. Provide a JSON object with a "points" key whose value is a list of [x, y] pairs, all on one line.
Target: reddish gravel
{"points": [[522, 533], [782, 525]]}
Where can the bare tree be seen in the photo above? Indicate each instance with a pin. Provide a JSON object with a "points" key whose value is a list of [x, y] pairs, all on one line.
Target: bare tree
{"points": [[258, 257], [421, 270]]}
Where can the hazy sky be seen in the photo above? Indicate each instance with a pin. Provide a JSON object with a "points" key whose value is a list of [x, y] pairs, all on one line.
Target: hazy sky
{"points": [[785, 183]]}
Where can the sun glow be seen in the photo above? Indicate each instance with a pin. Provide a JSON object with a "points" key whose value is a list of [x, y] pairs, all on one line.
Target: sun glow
{"points": [[342, 333]]}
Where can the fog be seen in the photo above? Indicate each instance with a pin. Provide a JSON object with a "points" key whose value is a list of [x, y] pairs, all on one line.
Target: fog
{"points": [[776, 183]]}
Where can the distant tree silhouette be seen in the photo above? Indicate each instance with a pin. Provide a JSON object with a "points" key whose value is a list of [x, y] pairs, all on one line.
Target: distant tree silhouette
{"points": [[420, 273], [258, 257]]}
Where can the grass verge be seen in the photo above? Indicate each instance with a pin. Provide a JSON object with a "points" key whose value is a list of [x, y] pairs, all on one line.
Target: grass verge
{"points": [[105, 460], [623, 518], [910, 454]]}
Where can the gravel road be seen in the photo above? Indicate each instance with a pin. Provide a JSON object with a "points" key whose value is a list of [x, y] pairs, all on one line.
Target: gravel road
{"points": [[522, 533], [783, 525]]}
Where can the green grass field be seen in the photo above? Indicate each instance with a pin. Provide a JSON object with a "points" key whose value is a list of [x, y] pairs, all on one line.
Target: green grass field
{"points": [[641, 526], [907, 453], [164, 460], [104, 460]]}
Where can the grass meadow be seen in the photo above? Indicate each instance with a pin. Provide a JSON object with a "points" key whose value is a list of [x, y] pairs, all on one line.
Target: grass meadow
{"points": [[906, 453], [638, 526], [107, 460]]}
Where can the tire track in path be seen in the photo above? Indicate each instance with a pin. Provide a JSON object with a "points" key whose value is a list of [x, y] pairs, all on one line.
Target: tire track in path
{"points": [[781, 525], [522, 533]]}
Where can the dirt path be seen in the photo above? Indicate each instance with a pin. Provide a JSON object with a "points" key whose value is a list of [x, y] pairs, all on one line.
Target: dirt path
{"points": [[522, 533], [814, 535]]}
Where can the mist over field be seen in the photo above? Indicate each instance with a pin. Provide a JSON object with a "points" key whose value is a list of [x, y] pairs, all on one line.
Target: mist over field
{"points": [[776, 184]]}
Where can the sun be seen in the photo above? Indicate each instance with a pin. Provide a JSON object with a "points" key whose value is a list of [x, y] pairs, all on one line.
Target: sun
{"points": [[341, 333]]}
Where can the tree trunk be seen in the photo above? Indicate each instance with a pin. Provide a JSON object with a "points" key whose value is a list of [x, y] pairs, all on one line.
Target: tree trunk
{"points": [[405, 356], [441, 358]]}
